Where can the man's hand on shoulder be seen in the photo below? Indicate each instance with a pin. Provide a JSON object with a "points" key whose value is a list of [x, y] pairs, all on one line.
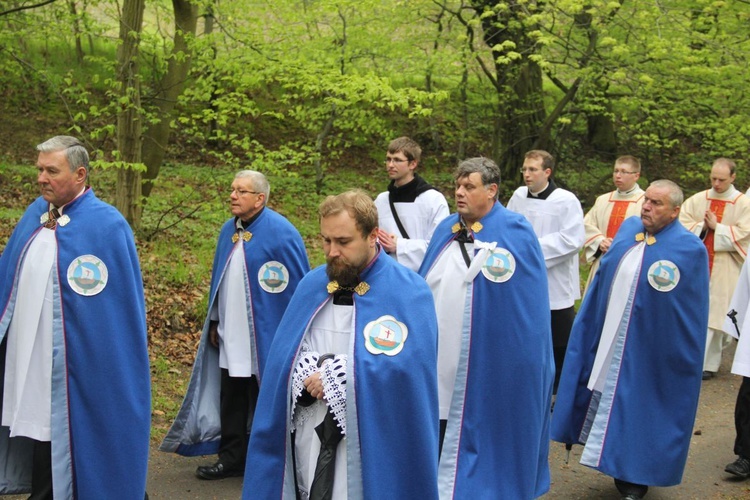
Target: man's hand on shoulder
{"points": [[387, 240]]}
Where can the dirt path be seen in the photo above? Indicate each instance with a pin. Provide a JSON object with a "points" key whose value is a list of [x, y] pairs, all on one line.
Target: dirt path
{"points": [[171, 477]]}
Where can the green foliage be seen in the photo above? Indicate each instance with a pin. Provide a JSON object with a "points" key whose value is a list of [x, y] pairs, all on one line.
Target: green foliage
{"points": [[296, 88]]}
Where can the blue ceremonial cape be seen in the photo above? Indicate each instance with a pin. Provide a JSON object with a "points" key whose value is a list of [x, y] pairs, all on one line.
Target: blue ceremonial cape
{"points": [[497, 437], [101, 391], [197, 427], [651, 394], [391, 401]]}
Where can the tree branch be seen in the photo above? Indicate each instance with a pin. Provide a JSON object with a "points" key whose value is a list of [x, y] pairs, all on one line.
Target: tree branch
{"points": [[25, 7]]}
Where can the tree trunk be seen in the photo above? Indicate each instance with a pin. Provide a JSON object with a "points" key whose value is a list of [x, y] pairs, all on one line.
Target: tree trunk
{"points": [[171, 86], [129, 124], [76, 31], [518, 83]]}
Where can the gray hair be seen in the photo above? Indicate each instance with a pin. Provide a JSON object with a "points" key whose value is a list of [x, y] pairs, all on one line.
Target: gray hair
{"points": [[75, 152], [675, 193], [260, 183], [486, 168]]}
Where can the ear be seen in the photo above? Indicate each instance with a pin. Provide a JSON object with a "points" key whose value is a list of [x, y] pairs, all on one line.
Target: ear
{"points": [[492, 190], [81, 174], [260, 200], [372, 238]]}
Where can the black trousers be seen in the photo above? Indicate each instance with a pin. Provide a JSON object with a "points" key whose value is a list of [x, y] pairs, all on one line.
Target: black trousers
{"points": [[239, 396], [41, 471], [742, 420], [562, 322]]}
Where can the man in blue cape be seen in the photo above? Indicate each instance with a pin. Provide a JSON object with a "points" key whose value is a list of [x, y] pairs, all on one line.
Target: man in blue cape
{"points": [[76, 402], [259, 260], [486, 271], [348, 407], [632, 374]]}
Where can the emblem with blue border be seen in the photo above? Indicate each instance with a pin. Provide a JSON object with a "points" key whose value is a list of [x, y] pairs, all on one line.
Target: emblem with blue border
{"points": [[499, 266], [663, 275], [386, 335], [273, 277], [87, 275]]}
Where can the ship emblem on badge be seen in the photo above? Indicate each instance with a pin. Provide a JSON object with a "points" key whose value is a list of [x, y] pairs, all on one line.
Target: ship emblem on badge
{"points": [[663, 275], [386, 335], [499, 266], [87, 275], [273, 277]]}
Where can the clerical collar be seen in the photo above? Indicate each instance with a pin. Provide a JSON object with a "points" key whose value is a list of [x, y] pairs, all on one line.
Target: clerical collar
{"points": [[629, 191], [240, 224], [544, 193], [409, 191]]}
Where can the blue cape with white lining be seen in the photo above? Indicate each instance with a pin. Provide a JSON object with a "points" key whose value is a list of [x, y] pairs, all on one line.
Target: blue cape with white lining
{"points": [[650, 399], [101, 392], [497, 437], [391, 401], [197, 427]]}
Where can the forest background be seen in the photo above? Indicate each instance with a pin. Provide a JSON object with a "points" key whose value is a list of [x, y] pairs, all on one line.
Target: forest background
{"points": [[174, 97]]}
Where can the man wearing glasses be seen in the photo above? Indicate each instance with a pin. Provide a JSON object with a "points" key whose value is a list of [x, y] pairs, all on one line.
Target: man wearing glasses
{"points": [[557, 219], [260, 258], [720, 216], [611, 209], [411, 208]]}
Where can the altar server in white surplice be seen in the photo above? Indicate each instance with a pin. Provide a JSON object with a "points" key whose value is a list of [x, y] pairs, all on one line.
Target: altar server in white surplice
{"points": [[411, 208], [557, 218]]}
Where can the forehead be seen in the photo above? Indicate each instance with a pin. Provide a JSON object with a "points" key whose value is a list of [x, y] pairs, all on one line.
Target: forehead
{"points": [[338, 225], [624, 164], [52, 159], [720, 172], [243, 182], [533, 162], [657, 193], [474, 178]]}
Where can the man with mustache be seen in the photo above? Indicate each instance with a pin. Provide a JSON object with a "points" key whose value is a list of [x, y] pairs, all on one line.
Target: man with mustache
{"points": [[348, 408]]}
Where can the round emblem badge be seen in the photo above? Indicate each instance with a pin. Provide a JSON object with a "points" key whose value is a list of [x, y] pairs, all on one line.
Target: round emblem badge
{"points": [[499, 266], [273, 277], [663, 275], [87, 275], [386, 335]]}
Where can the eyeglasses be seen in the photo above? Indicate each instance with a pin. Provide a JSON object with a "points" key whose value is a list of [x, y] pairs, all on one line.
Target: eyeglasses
{"points": [[242, 192], [530, 170], [622, 172], [395, 160]]}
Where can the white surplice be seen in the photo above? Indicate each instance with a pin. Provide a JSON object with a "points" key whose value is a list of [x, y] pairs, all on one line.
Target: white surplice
{"points": [[27, 392]]}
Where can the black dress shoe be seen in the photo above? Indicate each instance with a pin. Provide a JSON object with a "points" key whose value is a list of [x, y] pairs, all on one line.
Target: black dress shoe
{"points": [[218, 471], [707, 375], [739, 468]]}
